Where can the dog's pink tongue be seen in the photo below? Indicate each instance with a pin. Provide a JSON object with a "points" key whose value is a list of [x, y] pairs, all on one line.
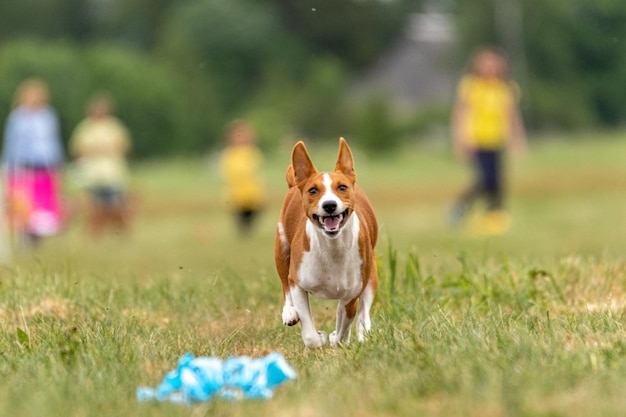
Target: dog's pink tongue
{"points": [[331, 222]]}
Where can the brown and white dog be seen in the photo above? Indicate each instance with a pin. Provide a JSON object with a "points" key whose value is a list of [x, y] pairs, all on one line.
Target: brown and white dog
{"points": [[324, 246]]}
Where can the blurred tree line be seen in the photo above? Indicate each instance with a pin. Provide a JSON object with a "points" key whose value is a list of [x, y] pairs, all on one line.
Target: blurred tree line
{"points": [[181, 69]]}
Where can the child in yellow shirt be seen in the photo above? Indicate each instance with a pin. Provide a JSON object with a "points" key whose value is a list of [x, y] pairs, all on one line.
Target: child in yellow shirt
{"points": [[240, 165], [486, 120]]}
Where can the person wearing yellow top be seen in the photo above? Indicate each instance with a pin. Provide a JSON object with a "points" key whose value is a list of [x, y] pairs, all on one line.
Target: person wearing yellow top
{"points": [[100, 144], [241, 164], [486, 120]]}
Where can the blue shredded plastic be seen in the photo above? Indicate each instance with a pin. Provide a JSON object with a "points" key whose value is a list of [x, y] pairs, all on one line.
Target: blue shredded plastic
{"points": [[199, 379]]}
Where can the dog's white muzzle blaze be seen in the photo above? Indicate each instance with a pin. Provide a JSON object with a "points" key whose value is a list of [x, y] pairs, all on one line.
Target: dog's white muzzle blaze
{"points": [[331, 211]]}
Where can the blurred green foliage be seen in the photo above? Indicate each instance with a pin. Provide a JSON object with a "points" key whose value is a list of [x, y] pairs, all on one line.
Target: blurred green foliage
{"points": [[159, 105], [231, 42], [180, 70], [377, 129], [355, 31]]}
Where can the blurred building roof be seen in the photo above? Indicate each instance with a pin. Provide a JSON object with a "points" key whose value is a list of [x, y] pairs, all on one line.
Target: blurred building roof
{"points": [[417, 69]]}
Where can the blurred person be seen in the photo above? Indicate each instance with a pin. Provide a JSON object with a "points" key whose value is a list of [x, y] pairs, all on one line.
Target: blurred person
{"points": [[240, 164], [5, 241], [32, 155], [485, 122], [100, 145]]}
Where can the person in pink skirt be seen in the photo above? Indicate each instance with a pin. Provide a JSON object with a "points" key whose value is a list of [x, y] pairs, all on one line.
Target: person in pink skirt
{"points": [[32, 155]]}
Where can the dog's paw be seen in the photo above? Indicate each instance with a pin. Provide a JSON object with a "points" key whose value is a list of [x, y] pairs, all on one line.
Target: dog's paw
{"points": [[335, 341], [290, 316], [316, 340]]}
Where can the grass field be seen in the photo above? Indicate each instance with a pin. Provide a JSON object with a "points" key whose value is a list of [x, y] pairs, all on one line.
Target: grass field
{"points": [[530, 323]]}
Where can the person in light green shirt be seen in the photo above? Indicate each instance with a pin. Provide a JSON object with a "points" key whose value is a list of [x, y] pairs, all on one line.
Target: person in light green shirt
{"points": [[100, 145]]}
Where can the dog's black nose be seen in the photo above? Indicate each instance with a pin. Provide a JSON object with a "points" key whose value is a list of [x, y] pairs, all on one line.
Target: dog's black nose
{"points": [[329, 207]]}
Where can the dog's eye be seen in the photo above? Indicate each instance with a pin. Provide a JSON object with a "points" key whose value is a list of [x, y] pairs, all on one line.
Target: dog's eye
{"points": [[342, 187], [312, 190]]}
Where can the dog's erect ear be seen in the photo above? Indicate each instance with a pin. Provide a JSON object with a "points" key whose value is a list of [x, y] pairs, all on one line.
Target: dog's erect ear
{"points": [[345, 161], [290, 176], [301, 161]]}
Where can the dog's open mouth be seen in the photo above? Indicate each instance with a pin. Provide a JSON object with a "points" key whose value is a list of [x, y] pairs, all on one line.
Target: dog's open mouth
{"points": [[331, 224]]}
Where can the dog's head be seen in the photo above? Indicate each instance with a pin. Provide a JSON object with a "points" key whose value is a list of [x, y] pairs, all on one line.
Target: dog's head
{"points": [[327, 197]]}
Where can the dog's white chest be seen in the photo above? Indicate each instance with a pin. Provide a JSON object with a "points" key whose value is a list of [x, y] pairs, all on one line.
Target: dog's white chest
{"points": [[331, 269]]}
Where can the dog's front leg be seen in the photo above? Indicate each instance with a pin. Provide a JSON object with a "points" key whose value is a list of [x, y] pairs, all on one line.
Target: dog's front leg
{"points": [[363, 323], [290, 314], [310, 336], [345, 317]]}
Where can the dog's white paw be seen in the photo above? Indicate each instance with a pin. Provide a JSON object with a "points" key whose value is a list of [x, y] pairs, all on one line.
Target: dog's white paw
{"points": [[290, 316], [316, 340], [336, 341], [323, 337]]}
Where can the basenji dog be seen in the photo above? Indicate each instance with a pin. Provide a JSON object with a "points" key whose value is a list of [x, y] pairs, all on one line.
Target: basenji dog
{"points": [[324, 246]]}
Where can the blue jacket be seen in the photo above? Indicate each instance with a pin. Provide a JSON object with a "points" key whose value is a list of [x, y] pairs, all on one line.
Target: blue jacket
{"points": [[32, 139]]}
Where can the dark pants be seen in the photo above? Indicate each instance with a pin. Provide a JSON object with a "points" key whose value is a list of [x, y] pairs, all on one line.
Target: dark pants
{"points": [[488, 165], [106, 196], [246, 217]]}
